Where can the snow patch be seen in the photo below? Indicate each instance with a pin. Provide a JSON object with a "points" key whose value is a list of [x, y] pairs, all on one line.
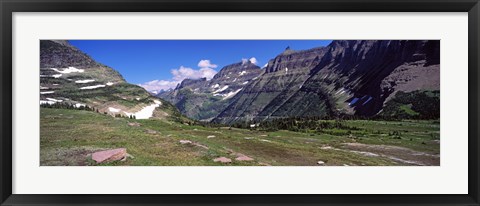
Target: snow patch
{"points": [[47, 102], [56, 76], [93, 87], [109, 83], [111, 109], [68, 70], [242, 73], [54, 100], [138, 98], [84, 81], [44, 87], [146, 112], [231, 94], [47, 92], [286, 70], [215, 86], [245, 83], [78, 105], [221, 89]]}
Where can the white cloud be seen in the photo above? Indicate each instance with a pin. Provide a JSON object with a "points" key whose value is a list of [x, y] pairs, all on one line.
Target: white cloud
{"points": [[244, 61], [206, 69], [189, 73], [158, 85], [253, 60], [205, 63]]}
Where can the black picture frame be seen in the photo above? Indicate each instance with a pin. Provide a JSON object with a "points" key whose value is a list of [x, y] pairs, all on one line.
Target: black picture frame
{"points": [[7, 8]]}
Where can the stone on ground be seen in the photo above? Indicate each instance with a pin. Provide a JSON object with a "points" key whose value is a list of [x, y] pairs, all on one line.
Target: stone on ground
{"points": [[210, 136], [321, 163], [109, 155], [185, 142], [134, 124], [242, 157], [223, 160], [149, 131]]}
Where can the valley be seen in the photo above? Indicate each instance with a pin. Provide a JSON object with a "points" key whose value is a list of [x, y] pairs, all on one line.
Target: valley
{"points": [[69, 136], [350, 103]]}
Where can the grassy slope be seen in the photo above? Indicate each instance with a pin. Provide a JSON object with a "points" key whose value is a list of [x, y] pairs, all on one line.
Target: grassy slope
{"points": [[68, 136]]}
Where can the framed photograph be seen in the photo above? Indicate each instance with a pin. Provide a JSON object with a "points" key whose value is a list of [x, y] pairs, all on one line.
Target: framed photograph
{"points": [[246, 103]]}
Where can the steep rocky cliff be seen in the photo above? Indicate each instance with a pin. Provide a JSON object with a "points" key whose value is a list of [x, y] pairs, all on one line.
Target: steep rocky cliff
{"points": [[345, 78], [352, 78]]}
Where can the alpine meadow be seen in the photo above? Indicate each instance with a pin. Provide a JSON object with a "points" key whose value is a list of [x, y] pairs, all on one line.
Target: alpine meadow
{"points": [[239, 102]]}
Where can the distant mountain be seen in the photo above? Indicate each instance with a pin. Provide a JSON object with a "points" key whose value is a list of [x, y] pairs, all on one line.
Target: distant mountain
{"points": [[69, 76], [203, 100], [366, 78]]}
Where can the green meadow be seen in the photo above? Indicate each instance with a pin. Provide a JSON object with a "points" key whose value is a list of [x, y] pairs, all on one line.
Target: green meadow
{"points": [[69, 137]]}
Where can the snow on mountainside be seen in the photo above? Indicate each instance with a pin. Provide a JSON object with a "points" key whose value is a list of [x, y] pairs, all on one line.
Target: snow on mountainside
{"points": [[70, 77]]}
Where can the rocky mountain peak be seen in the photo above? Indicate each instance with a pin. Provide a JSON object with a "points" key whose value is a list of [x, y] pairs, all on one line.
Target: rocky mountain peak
{"points": [[61, 54], [192, 83], [237, 69], [291, 59]]}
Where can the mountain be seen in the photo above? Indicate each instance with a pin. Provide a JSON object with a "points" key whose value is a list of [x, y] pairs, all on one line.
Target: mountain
{"points": [[70, 77], [283, 77], [362, 79], [203, 99]]}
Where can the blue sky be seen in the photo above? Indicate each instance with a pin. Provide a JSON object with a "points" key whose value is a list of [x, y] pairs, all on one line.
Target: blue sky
{"points": [[161, 64]]}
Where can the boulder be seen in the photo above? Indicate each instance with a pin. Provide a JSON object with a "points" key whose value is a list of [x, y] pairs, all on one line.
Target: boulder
{"points": [[223, 160], [242, 157], [185, 142], [109, 155]]}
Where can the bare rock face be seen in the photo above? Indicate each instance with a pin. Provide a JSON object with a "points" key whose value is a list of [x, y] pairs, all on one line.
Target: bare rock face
{"points": [[296, 59], [60, 54], [109, 155]]}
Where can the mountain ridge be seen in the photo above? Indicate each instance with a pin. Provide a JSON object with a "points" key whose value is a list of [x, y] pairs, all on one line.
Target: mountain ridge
{"points": [[347, 77]]}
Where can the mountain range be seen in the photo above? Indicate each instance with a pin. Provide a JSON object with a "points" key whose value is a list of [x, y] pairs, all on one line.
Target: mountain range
{"points": [[346, 79]]}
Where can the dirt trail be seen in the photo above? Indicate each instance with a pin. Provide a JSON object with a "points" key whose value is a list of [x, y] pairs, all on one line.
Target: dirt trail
{"points": [[395, 153]]}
